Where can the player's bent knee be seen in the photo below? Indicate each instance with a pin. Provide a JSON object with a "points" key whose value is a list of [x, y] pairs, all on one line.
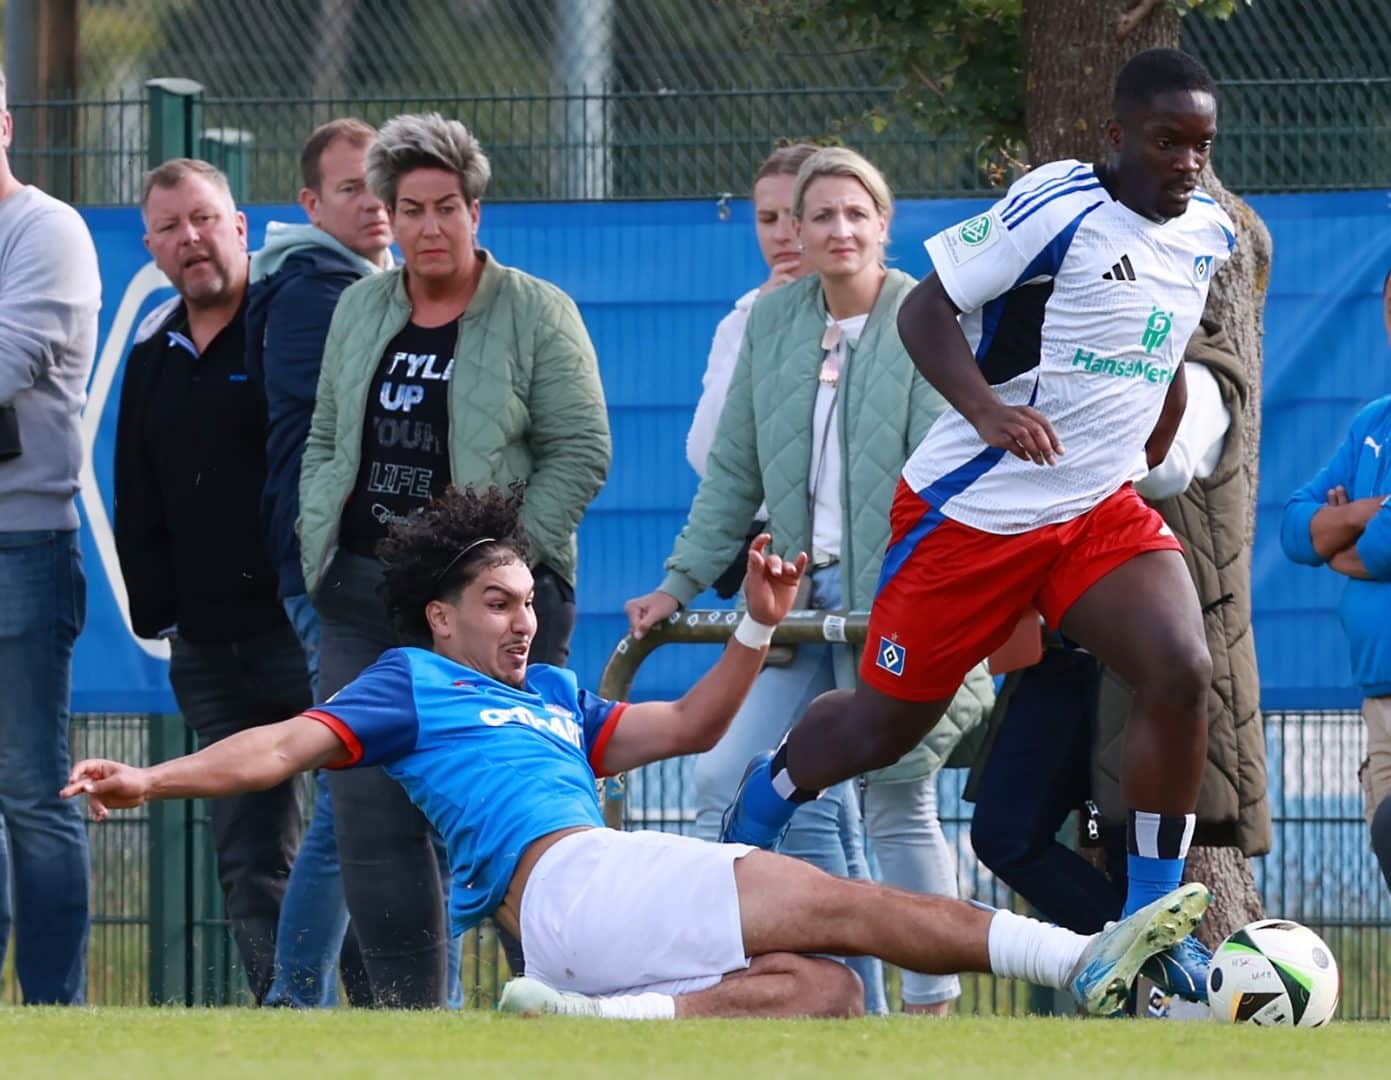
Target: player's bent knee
{"points": [[1180, 674], [845, 994], [892, 728], [830, 989]]}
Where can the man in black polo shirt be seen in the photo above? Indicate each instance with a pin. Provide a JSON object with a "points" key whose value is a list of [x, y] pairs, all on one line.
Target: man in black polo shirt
{"points": [[190, 466]]}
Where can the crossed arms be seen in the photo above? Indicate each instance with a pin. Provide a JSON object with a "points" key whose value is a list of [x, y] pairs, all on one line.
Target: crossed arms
{"points": [[1324, 524]]}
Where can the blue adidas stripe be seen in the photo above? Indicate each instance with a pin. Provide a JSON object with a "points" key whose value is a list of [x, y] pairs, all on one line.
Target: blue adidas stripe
{"points": [[1089, 184], [1046, 263], [990, 317], [1041, 188], [1049, 260], [935, 495]]}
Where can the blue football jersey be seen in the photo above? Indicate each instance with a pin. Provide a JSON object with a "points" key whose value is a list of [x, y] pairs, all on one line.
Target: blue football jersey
{"points": [[493, 767]]}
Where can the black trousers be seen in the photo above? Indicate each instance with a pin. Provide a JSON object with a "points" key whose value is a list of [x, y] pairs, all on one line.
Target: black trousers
{"points": [[222, 689], [389, 854], [1037, 773]]}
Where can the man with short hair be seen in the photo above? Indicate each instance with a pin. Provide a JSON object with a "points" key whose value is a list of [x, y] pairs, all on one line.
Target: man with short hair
{"points": [[501, 755], [1055, 325], [296, 279], [50, 291], [190, 466]]}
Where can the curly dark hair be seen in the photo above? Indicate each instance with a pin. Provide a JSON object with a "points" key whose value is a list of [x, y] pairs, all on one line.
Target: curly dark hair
{"points": [[437, 551]]}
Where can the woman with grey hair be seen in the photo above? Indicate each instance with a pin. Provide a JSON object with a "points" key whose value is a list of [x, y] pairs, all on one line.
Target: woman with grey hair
{"points": [[452, 368]]}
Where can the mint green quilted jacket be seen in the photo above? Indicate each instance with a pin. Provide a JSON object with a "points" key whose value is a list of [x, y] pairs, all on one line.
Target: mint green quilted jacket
{"points": [[762, 452], [525, 403]]}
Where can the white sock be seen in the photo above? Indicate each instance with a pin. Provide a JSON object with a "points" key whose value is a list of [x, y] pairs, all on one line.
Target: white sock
{"points": [[648, 1006], [1024, 948]]}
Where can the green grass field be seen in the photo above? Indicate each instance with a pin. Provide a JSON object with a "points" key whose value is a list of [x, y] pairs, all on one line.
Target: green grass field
{"points": [[145, 1044]]}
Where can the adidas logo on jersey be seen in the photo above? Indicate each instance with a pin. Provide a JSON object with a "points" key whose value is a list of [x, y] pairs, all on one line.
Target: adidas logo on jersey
{"points": [[1122, 271]]}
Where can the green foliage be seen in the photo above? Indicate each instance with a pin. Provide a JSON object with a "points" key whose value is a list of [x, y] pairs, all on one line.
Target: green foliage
{"points": [[959, 64], [1213, 9]]}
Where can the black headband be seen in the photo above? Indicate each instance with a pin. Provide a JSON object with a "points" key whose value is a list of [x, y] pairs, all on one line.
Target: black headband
{"points": [[439, 578]]}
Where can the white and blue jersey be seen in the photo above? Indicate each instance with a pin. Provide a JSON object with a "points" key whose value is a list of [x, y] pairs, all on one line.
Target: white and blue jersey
{"points": [[1080, 307], [493, 767]]}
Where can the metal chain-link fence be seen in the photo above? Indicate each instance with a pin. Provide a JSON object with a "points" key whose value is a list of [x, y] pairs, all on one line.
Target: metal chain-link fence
{"points": [[626, 99]]}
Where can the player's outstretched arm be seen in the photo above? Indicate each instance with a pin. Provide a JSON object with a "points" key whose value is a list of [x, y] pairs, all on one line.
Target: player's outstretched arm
{"points": [[653, 730], [939, 350], [251, 760]]}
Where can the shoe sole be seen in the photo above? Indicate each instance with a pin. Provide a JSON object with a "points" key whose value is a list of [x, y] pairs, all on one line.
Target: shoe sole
{"points": [[1166, 927]]}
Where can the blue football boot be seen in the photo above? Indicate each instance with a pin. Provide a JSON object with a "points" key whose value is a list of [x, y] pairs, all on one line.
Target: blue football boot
{"points": [[1102, 979], [758, 816], [1180, 971]]}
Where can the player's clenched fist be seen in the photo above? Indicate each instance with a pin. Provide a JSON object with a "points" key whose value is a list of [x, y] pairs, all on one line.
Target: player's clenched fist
{"points": [[1023, 431], [108, 785]]}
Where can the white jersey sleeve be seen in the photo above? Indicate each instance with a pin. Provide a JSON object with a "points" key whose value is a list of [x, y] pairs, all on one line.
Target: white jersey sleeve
{"points": [[1021, 238]]}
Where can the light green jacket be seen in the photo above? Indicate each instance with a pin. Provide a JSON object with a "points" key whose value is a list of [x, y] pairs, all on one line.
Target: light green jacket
{"points": [[762, 453], [525, 403]]}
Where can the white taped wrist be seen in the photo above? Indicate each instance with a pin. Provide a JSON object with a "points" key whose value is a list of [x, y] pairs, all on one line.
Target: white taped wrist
{"points": [[753, 633]]}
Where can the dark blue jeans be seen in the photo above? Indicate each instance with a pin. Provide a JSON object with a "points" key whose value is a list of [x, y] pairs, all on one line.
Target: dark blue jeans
{"points": [[313, 916], [43, 603], [1037, 773], [222, 689]]}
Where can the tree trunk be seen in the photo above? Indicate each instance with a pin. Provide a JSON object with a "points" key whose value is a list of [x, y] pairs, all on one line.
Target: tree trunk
{"points": [[332, 47], [1073, 53], [1235, 899], [1071, 60]]}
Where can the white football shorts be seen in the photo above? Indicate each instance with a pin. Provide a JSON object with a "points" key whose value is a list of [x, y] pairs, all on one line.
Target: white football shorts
{"points": [[608, 912]]}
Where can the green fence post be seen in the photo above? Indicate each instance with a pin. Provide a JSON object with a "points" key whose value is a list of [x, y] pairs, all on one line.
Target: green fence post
{"points": [[228, 149], [170, 846], [176, 116]]}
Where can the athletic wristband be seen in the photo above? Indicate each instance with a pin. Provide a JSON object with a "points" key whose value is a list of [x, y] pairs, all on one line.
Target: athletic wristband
{"points": [[753, 633]]}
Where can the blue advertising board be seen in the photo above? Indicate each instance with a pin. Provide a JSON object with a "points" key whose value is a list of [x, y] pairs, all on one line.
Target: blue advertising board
{"points": [[653, 278]]}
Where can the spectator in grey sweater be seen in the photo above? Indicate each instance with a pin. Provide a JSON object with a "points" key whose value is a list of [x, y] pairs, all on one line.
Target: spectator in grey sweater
{"points": [[49, 295]]}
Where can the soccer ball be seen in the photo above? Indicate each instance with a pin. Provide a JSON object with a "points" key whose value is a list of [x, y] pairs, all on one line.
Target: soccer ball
{"points": [[1273, 972]]}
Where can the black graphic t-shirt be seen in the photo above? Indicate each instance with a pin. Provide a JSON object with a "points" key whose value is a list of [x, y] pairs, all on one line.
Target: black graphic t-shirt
{"points": [[405, 437]]}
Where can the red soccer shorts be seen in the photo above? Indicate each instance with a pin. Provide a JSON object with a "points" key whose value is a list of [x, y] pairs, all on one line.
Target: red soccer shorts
{"points": [[950, 595]]}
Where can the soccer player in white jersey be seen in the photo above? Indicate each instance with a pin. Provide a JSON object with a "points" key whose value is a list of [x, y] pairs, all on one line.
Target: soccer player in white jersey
{"points": [[1055, 325], [501, 756]]}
